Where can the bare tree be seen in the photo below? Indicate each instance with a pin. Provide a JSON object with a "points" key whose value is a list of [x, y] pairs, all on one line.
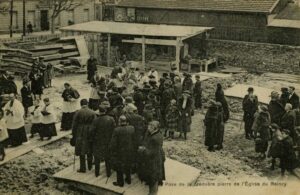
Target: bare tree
{"points": [[59, 6]]}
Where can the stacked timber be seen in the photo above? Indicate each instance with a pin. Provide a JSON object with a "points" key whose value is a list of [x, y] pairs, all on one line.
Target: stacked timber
{"points": [[65, 54]]}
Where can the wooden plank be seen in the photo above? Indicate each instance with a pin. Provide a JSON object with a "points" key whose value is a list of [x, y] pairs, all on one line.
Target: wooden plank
{"points": [[177, 57], [176, 172], [69, 47], [12, 153], [82, 46], [47, 47], [8, 61], [45, 52], [240, 90], [151, 41]]}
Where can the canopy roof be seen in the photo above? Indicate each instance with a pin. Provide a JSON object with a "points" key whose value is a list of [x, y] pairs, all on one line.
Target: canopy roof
{"points": [[137, 29]]}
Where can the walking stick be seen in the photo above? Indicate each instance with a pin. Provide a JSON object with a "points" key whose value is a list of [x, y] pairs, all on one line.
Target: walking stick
{"points": [[107, 180], [74, 160]]}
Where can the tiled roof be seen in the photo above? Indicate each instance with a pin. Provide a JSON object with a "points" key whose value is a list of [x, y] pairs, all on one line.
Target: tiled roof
{"points": [[260, 6]]}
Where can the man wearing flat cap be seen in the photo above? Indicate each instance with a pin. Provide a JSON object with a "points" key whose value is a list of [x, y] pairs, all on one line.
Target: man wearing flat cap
{"points": [[250, 106], [101, 131], [293, 98]]}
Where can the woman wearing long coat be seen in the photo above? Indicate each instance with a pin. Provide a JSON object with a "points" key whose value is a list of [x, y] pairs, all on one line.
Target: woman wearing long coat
{"points": [[172, 116], [211, 124], [220, 97], [261, 130], [288, 121], [276, 109], [185, 112], [221, 128]]}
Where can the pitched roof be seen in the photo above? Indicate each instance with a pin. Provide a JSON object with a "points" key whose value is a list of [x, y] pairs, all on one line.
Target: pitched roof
{"points": [[258, 6]]}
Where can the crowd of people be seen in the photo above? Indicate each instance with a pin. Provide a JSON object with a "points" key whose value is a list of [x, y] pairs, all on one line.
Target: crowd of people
{"points": [[130, 112], [279, 122]]}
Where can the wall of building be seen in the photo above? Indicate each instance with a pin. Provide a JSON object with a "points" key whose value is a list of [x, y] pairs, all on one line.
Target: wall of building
{"points": [[33, 14], [256, 56], [228, 25]]}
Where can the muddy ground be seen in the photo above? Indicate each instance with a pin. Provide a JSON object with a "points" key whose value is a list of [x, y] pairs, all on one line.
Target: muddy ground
{"points": [[32, 173]]}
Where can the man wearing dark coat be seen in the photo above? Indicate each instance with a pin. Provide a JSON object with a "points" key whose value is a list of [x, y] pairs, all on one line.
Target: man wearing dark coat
{"points": [[250, 106], [102, 130], [293, 98], [220, 97], [288, 121], [26, 94], [152, 158], [284, 97], [211, 125], [36, 78], [81, 131], [276, 109], [91, 68], [123, 151]]}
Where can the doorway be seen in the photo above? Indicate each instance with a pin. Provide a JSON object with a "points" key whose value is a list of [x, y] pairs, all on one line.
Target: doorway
{"points": [[44, 20]]}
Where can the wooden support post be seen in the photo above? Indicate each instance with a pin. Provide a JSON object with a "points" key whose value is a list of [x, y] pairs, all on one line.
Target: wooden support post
{"points": [[108, 49], [143, 52], [177, 62], [185, 49]]}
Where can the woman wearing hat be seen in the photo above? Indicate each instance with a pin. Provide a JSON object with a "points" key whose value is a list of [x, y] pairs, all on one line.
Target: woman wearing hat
{"points": [[167, 95], [36, 78], [275, 108], [172, 116], [288, 121], [14, 116], [185, 113], [211, 125], [261, 131], [26, 95]]}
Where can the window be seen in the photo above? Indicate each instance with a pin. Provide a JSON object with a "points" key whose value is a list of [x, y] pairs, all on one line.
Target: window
{"points": [[86, 15]]}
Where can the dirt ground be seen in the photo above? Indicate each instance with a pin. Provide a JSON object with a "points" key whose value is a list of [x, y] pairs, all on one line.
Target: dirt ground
{"points": [[32, 173]]}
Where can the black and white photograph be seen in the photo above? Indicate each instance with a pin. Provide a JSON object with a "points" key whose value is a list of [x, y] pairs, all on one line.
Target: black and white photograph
{"points": [[149, 97]]}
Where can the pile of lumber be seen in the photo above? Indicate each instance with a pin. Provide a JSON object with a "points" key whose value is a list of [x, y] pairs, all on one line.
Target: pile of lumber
{"points": [[62, 53]]}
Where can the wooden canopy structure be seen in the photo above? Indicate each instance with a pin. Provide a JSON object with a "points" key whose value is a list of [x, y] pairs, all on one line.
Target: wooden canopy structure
{"points": [[144, 34]]}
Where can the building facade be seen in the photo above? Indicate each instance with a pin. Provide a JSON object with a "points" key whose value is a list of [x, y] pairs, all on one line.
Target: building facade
{"points": [[38, 12], [241, 20]]}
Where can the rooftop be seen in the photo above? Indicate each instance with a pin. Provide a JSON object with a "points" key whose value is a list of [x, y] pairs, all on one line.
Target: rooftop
{"points": [[257, 6], [137, 29]]}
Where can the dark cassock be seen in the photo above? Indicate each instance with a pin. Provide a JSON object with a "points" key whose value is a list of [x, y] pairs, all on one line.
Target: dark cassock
{"points": [[152, 158], [14, 116], [220, 97], [102, 130], [48, 120], [26, 95], [185, 112], [276, 109], [250, 106], [91, 68], [221, 127], [36, 117], [82, 135], [70, 106], [211, 125], [123, 151]]}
